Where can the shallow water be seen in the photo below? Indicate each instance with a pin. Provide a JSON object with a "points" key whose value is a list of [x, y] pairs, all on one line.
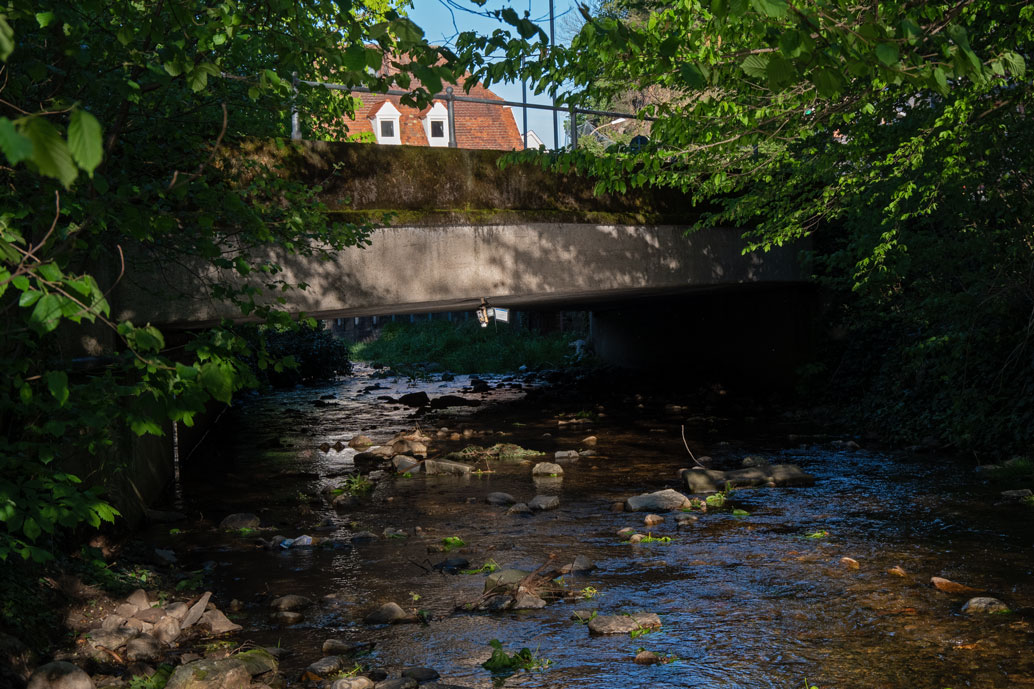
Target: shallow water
{"points": [[745, 601]]}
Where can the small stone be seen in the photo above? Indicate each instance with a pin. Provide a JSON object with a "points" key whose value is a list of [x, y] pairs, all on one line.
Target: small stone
{"points": [[699, 480], [582, 615], [566, 456], [391, 532], [685, 519], [519, 508], [528, 601], [112, 622], [949, 586], [647, 658], [421, 674], [653, 520], [327, 666], [167, 556], [150, 615], [626, 532], [287, 617], [404, 464], [139, 625], [582, 564], [590, 441], [360, 442], [636, 538], [126, 610], [389, 613], [617, 507], [897, 571], [547, 469], [139, 599], [984, 606], [195, 611], [504, 579], [290, 602], [849, 562], [353, 683], [140, 669], [166, 630], [112, 639], [217, 623], [177, 610], [500, 499], [544, 502], [59, 675], [241, 520], [143, 648]]}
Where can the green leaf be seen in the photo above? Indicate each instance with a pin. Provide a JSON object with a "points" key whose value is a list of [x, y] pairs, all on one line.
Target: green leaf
{"points": [[15, 146], [31, 529], [6, 39], [755, 66], [887, 53], [1015, 63], [49, 152], [46, 315], [57, 383], [692, 75], [827, 82], [44, 19], [217, 381], [780, 71], [770, 8], [940, 81]]}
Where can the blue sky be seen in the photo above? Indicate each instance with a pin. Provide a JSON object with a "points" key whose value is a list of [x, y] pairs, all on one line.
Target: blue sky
{"points": [[441, 21]]}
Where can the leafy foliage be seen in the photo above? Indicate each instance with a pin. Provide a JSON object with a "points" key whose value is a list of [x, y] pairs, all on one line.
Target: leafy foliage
{"points": [[304, 355], [505, 664], [895, 135], [115, 123]]}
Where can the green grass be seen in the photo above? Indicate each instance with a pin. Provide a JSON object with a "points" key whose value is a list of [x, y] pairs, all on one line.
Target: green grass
{"points": [[464, 347]]}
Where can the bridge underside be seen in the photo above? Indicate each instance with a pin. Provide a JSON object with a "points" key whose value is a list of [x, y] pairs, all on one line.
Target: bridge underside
{"points": [[528, 266]]}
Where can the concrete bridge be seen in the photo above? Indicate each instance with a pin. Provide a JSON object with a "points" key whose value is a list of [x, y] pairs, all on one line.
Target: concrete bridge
{"points": [[464, 229]]}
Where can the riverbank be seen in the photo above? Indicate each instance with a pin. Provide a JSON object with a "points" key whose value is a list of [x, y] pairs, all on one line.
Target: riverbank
{"points": [[774, 584]]}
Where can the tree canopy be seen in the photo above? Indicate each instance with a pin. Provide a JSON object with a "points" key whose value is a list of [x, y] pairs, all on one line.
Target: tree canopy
{"points": [[896, 135], [115, 120]]}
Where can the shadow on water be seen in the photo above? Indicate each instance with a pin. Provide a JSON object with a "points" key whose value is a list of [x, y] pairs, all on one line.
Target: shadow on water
{"points": [[746, 601]]}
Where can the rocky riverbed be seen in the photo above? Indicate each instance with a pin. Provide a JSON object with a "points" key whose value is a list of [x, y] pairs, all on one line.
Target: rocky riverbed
{"points": [[381, 532]]}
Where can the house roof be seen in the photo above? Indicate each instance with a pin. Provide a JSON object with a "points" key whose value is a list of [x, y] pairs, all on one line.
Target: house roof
{"points": [[477, 125]]}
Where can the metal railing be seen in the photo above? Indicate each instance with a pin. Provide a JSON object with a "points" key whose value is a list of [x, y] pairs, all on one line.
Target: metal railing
{"points": [[450, 98]]}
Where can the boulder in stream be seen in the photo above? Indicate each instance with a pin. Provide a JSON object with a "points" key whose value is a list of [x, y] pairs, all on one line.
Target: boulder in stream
{"points": [[500, 499], [541, 503], [223, 673], [983, 605], [290, 602], [661, 501], [389, 613], [440, 467], [547, 469]]}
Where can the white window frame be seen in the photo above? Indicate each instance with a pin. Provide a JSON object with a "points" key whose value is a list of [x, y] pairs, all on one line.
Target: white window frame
{"points": [[387, 113], [437, 113]]}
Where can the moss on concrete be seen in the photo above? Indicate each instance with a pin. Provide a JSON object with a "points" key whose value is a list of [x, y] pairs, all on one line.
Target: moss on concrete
{"points": [[437, 186]]}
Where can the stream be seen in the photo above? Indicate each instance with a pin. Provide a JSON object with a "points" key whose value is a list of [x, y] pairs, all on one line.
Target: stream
{"points": [[754, 601]]}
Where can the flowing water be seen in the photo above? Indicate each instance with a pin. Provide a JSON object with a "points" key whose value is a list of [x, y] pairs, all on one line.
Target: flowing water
{"points": [[745, 601]]}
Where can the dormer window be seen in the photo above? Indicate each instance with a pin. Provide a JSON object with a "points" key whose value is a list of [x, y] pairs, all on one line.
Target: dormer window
{"points": [[386, 123], [436, 125]]}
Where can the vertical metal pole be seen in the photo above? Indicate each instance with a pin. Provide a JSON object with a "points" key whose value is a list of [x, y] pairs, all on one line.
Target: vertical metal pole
{"points": [[524, 99], [296, 127], [552, 43], [573, 123], [452, 118]]}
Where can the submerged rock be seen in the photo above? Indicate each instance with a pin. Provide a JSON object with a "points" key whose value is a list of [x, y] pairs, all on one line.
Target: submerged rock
{"points": [[624, 624], [290, 602], [389, 613], [439, 467], [421, 674], [541, 503], [241, 520], [500, 499], [949, 586]]}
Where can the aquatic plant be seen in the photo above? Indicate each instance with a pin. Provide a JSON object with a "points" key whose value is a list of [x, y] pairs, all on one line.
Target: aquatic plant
{"points": [[501, 662], [740, 513], [817, 534], [719, 499], [358, 485], [156, 681], [650, 538], [451, 542], [589, 592], [641, 631]]}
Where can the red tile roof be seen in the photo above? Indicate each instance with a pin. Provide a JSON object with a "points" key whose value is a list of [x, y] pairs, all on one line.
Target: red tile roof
{"points": [[477, 125]]}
